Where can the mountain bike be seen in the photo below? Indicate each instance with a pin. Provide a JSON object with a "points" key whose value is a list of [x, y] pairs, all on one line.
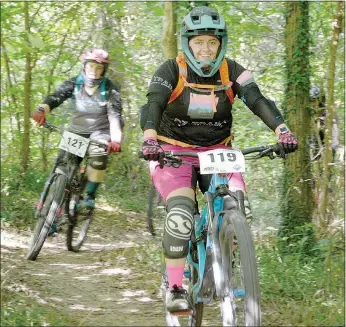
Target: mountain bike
{"points": [[62, 194], [221, 263]]}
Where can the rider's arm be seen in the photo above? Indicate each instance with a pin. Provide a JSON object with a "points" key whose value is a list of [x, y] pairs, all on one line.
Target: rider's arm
{"points": [[247, 90], [161, 86], [60, 94], [114, 111]]}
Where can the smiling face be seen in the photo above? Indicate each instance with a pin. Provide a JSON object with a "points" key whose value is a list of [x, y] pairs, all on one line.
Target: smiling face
{"points": [[204, 47], [94, 70]]}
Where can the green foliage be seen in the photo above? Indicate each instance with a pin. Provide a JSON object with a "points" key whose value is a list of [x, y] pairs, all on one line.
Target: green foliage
{"points": [[19, 195], [314, 290], [15, 311]]}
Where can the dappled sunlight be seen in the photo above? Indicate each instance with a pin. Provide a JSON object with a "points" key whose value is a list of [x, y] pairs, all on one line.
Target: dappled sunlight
{"points": [[6, 251], [77, 266], [20, 288], [115, 271], [109, 246], [82, 277], [55, 299], [134, 293], [14, 240], [22, 240], [82, 307], [134, 310], [144, 299]]}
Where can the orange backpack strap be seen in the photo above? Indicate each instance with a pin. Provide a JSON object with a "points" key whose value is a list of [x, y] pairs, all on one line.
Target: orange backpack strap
{"points": [[180, 59], [224, 74]]}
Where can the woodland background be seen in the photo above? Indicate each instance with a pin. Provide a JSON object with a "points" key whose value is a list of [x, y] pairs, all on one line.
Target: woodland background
{"points": [[289, 46]]}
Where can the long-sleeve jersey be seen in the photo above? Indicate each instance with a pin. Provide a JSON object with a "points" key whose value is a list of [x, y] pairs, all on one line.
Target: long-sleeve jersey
{"points": [[89, 112], [190, 117]]}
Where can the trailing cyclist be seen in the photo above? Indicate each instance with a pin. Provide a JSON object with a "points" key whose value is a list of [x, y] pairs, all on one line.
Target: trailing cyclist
{"points": [[318, 102], [96, 114], [189, 108]]}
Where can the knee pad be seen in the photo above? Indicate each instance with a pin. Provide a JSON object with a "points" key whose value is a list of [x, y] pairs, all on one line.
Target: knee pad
{"points": [[98, 162], [178, 227], [95, 175]]}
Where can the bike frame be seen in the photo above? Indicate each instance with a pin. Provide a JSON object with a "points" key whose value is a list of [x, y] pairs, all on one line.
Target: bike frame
{"points": [[206, 229], [210, 222], [65, 165]]}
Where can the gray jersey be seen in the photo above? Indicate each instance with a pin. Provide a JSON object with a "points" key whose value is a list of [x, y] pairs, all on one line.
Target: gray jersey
{"points": [[89, 112]]}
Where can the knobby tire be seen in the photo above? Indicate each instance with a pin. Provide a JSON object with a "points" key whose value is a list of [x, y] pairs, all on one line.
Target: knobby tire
{"points": [[47, 215], [75, 238], [234, 225], [150, 209]]}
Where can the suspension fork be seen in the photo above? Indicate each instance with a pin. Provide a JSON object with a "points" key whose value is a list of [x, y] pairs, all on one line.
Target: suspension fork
{"points": [[47, 184]]}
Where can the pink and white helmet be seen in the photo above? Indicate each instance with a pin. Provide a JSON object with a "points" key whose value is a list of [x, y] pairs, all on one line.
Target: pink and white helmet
{"points": [[99, 55]]}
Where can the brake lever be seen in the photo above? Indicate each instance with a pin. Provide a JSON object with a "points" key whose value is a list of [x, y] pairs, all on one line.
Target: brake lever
{"points": [[173, 161], [267, 153], [49, 126]]}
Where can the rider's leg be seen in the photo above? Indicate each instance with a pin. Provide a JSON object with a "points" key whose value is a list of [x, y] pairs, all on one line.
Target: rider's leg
{"points": [[175, 243], [177, 232], [96, 170], [176, 187]]}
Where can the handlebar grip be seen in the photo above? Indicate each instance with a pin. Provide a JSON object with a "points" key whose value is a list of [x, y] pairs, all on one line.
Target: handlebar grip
{"points": [[276, 148]]}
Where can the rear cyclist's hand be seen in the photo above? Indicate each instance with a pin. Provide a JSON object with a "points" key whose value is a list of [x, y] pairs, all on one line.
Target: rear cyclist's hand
{"points": [[152, 149], [114, 146], [39, 116], [288, 142]]}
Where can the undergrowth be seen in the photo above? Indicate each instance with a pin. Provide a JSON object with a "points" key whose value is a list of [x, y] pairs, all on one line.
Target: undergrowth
{"points": [[302, 293]]}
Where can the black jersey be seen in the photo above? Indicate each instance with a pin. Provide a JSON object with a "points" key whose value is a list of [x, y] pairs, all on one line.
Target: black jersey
{"points": [[190, 118]]}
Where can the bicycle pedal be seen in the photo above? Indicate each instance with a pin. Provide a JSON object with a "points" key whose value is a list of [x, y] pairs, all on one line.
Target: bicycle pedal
{"points": [[182, 313]]}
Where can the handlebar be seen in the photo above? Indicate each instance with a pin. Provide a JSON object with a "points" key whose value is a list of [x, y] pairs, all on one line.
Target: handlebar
{"points": [[53, 128], [267, 150]]}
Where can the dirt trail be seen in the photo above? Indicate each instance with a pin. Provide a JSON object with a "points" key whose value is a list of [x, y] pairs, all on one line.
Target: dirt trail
{"points": [[113, 281]]}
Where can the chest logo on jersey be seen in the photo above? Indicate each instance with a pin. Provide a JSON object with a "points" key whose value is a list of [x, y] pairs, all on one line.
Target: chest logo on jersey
{"points": [[201, 106]]}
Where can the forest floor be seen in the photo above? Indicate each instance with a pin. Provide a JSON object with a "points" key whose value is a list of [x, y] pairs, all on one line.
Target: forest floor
{"points": [[113, 281]]}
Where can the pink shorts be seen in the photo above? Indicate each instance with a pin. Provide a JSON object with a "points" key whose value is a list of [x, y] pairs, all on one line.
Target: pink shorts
{"points": [[169, 179]]}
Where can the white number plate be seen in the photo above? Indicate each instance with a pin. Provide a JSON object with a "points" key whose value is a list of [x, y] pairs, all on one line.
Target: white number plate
{"points": [[221, 161], [74, 143]]}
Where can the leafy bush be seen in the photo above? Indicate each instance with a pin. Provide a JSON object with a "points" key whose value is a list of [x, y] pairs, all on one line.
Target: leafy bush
{"points": [[309, 293]]}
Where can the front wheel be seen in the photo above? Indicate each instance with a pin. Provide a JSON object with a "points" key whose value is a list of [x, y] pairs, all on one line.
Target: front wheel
{"points": [[78, 224], [47, 213], [241, 306]]}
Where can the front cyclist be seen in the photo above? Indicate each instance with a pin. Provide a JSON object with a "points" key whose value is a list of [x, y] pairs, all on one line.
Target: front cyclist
{"points": [[189, 106]]}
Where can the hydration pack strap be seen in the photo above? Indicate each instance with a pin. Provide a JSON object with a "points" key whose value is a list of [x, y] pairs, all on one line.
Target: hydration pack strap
{"points": [[80, 82], [182, 82]]}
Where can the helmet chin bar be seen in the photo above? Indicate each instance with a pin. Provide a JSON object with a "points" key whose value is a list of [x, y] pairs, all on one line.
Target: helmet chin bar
{"points": [[197, 65]]}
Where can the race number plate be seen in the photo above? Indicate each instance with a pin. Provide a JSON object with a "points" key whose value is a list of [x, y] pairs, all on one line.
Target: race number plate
{"points": [[74, 143], [221, 161]]}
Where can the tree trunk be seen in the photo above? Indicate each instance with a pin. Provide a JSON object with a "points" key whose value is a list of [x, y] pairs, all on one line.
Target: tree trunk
{"points": [[13, 97], [295, 234], [27, 93], [169, 41], [324, 211]]}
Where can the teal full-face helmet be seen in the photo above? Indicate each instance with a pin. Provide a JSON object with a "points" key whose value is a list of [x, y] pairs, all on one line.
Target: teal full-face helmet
{"points": [[203, 21]]}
